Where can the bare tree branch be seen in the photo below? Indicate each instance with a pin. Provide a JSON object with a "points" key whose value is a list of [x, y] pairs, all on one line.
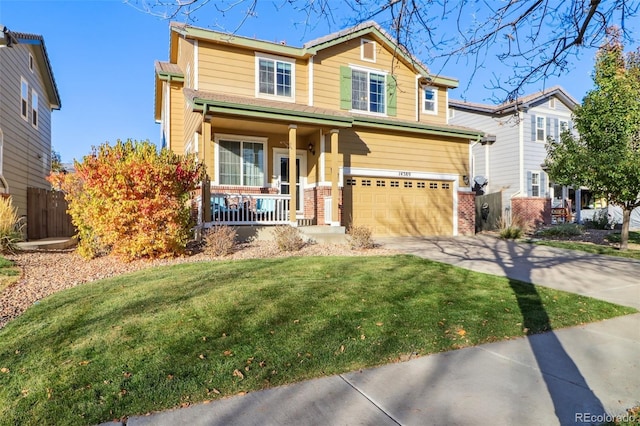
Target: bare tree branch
{"points": [[536, 39]]}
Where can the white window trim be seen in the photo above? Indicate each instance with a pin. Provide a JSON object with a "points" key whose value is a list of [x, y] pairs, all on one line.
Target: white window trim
{"points": [[369, 71], [536, 173], [544, 128], [25, 117], [364, 41], [435, 101], [291, 61], [240, 138], [195, 64], [560, 121], [34, 96]]}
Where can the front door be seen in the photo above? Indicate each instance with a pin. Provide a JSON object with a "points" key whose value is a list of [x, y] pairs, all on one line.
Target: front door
{"points": [[282, 169]]}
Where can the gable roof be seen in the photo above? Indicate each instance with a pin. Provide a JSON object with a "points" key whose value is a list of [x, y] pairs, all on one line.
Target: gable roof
{"points": [[42, 59], [520, 104], [314, 46]]}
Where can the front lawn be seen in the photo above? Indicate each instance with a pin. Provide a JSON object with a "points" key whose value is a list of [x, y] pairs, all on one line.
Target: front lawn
{"points": [[558, 236], [173, 336]]}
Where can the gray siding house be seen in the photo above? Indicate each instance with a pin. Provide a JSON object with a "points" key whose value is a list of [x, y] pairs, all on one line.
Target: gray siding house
{"points": [[28, 95], [512, 162]]}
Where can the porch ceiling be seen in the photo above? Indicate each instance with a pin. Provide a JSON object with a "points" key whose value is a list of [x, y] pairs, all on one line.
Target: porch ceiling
{"points": [[223, 124]]}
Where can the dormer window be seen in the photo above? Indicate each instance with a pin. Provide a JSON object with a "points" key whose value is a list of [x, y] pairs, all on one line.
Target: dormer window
{"points": [[368, 50], [430, 100], [275, 77]]}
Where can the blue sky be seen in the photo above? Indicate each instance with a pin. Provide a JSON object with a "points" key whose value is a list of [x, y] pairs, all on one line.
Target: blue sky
{"points": [[103, 52]]}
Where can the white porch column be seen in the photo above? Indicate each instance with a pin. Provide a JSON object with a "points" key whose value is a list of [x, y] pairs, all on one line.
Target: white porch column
{"points": [[293, 180], [335, 176], [206, 156]]}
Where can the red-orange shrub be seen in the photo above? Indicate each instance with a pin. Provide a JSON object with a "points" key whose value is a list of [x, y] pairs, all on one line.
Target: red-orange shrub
{"points": [[130, 200]]}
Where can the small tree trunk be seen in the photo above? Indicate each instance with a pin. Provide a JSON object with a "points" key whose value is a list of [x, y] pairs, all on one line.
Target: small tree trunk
{"points": [[624, 235]]}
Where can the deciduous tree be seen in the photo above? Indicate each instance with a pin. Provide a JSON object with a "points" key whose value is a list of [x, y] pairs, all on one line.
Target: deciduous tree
{"points": [[131, 200], [605, 155]]}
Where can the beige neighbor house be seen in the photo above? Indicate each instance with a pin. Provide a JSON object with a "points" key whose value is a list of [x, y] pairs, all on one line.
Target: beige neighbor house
{"points": [[28, 95], [349, 129]]}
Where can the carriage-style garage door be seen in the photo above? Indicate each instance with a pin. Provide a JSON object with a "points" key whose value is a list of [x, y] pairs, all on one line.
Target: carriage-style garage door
{"points": [[392, 206]]}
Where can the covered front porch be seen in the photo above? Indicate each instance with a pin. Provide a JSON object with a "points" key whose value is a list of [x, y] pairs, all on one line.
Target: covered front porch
{"points": [[267, 165]]}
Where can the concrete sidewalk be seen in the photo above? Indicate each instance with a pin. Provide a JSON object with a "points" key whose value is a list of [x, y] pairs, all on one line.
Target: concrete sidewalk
{"points": [[576, 375]]}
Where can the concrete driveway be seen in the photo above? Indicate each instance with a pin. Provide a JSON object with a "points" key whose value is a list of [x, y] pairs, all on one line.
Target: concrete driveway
{"points": [[608, 278]]}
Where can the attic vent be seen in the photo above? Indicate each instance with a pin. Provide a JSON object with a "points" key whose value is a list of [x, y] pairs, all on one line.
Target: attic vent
{"points": [[552, 103], [368, 50]]}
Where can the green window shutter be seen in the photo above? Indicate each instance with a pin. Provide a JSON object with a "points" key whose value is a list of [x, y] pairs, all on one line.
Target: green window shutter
{"points": [[345, 87], [391, 95]]}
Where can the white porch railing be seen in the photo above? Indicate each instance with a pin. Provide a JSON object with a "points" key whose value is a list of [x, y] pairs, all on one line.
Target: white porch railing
{"points": [[249, 209]]}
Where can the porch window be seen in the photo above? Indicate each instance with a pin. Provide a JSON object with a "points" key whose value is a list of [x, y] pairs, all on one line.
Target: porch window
{"points": [[241, 163], [275, 77], [367, 91]]}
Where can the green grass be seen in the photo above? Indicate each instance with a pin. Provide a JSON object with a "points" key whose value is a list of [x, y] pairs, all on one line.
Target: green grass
{"points": [[169, 336], [634, 238], [9, 273]]}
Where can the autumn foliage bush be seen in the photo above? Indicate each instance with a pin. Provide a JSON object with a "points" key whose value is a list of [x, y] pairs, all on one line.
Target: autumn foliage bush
{"points": [[130, 200]]}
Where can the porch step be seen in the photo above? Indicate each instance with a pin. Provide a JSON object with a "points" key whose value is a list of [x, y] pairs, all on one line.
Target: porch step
{"points": [[324, 234]]}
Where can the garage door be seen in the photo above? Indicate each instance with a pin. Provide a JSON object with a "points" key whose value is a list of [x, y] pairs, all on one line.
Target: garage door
{"points": [[399, 206]]}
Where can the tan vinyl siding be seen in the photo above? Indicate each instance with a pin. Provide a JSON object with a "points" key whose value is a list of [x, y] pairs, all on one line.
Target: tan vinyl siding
{"points": [[327, 76], [441, 117], [186, 57], [177, 118], [27, 150], [228, 69], [374, 149]]}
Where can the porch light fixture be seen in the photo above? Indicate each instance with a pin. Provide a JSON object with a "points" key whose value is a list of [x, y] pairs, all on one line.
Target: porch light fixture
{"points": [[312, 148]]}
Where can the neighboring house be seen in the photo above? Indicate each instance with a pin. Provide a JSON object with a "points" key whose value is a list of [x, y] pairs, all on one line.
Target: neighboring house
{"points": [[512, 159], [365, 121], [28, 94]]}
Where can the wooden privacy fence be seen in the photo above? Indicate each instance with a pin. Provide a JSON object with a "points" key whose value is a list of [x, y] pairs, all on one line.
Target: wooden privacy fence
{"points": [[488, 211], [47, 215]]}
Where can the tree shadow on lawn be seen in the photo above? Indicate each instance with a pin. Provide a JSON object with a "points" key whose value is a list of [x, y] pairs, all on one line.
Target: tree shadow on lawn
{"points": [[567, 387]]}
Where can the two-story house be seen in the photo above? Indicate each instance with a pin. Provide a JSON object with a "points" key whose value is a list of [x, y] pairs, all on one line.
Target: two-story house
{"points": [[511, 162], [349, 129], [28, 95]]}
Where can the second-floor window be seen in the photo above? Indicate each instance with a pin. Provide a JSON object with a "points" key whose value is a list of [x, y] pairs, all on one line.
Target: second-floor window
{"points": [[275, 77], [540, 129], [430, 96], [34, 108], [368, 91], [24, 99]]}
